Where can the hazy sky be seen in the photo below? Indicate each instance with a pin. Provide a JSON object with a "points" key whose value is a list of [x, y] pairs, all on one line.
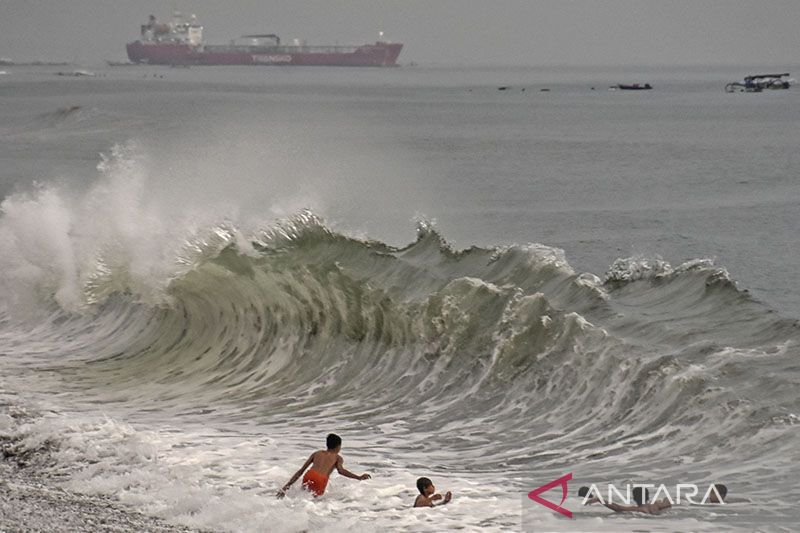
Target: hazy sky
{"points": [[481, 32]]}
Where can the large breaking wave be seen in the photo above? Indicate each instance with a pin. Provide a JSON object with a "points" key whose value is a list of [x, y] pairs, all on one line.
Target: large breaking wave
{"points": [[300, 316], [506, 355]]}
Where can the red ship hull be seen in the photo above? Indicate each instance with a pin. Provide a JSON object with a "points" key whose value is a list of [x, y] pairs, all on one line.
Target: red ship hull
{"points": [[373, 55]]}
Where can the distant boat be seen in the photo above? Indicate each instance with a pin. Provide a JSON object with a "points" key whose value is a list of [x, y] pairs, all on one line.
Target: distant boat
{"points": [[758, 82], [632, 87]]}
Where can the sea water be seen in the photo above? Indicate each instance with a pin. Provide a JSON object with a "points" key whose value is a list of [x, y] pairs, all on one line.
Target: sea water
{"points": [[206, 270]]}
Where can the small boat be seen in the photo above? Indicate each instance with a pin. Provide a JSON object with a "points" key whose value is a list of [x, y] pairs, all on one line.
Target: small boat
{"points": [[632, 87], [758, 82]]}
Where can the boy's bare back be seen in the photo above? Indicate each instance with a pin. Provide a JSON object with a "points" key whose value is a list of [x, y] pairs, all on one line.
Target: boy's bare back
{"points": [[324, 461]]}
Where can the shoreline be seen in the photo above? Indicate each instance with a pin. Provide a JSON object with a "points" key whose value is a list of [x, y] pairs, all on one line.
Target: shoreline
{"points": [[33, 503]]}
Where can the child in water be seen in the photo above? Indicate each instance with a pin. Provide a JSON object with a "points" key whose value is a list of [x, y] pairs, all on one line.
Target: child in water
{"points": [[640, 496], [426, 494], [322, 463]]}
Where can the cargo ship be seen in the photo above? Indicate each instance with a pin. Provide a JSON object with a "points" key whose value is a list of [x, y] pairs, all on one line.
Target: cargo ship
{"points": [[180, 42]]}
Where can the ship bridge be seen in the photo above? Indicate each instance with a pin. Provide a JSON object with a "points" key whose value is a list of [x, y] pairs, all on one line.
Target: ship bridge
{"points": [[177, 30]]}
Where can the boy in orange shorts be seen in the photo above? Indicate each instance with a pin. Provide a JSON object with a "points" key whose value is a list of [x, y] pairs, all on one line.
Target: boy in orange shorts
{"points": [[322, 463]]}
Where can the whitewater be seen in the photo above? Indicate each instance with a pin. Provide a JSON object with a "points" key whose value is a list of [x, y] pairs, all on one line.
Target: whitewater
{"points": [[204, 272]]}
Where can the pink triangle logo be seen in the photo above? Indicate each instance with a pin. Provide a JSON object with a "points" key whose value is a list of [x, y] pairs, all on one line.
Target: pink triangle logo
{"points": [[562, 482]]}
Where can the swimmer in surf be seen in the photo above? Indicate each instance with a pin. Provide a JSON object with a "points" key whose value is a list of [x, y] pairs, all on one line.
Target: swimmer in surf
{"points": [[640, 497], [426, 494], [322, 463], [721, 491]]}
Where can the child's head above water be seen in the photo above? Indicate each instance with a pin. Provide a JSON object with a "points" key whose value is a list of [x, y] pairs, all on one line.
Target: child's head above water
{"points": [[722, 490], [333, 441], [425, 486], [641, 495]]}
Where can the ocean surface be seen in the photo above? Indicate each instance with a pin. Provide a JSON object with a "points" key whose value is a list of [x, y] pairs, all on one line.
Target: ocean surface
{"points": [[204, 271]]}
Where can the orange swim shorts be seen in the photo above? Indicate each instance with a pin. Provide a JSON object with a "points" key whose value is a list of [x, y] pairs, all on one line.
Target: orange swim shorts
{"points": [[315, 482]]}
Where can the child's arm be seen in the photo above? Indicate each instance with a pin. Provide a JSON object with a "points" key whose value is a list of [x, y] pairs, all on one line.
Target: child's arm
{"points": [[423, 501], [617, 508], [661, 505], [296, 476], [346, 473]]}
